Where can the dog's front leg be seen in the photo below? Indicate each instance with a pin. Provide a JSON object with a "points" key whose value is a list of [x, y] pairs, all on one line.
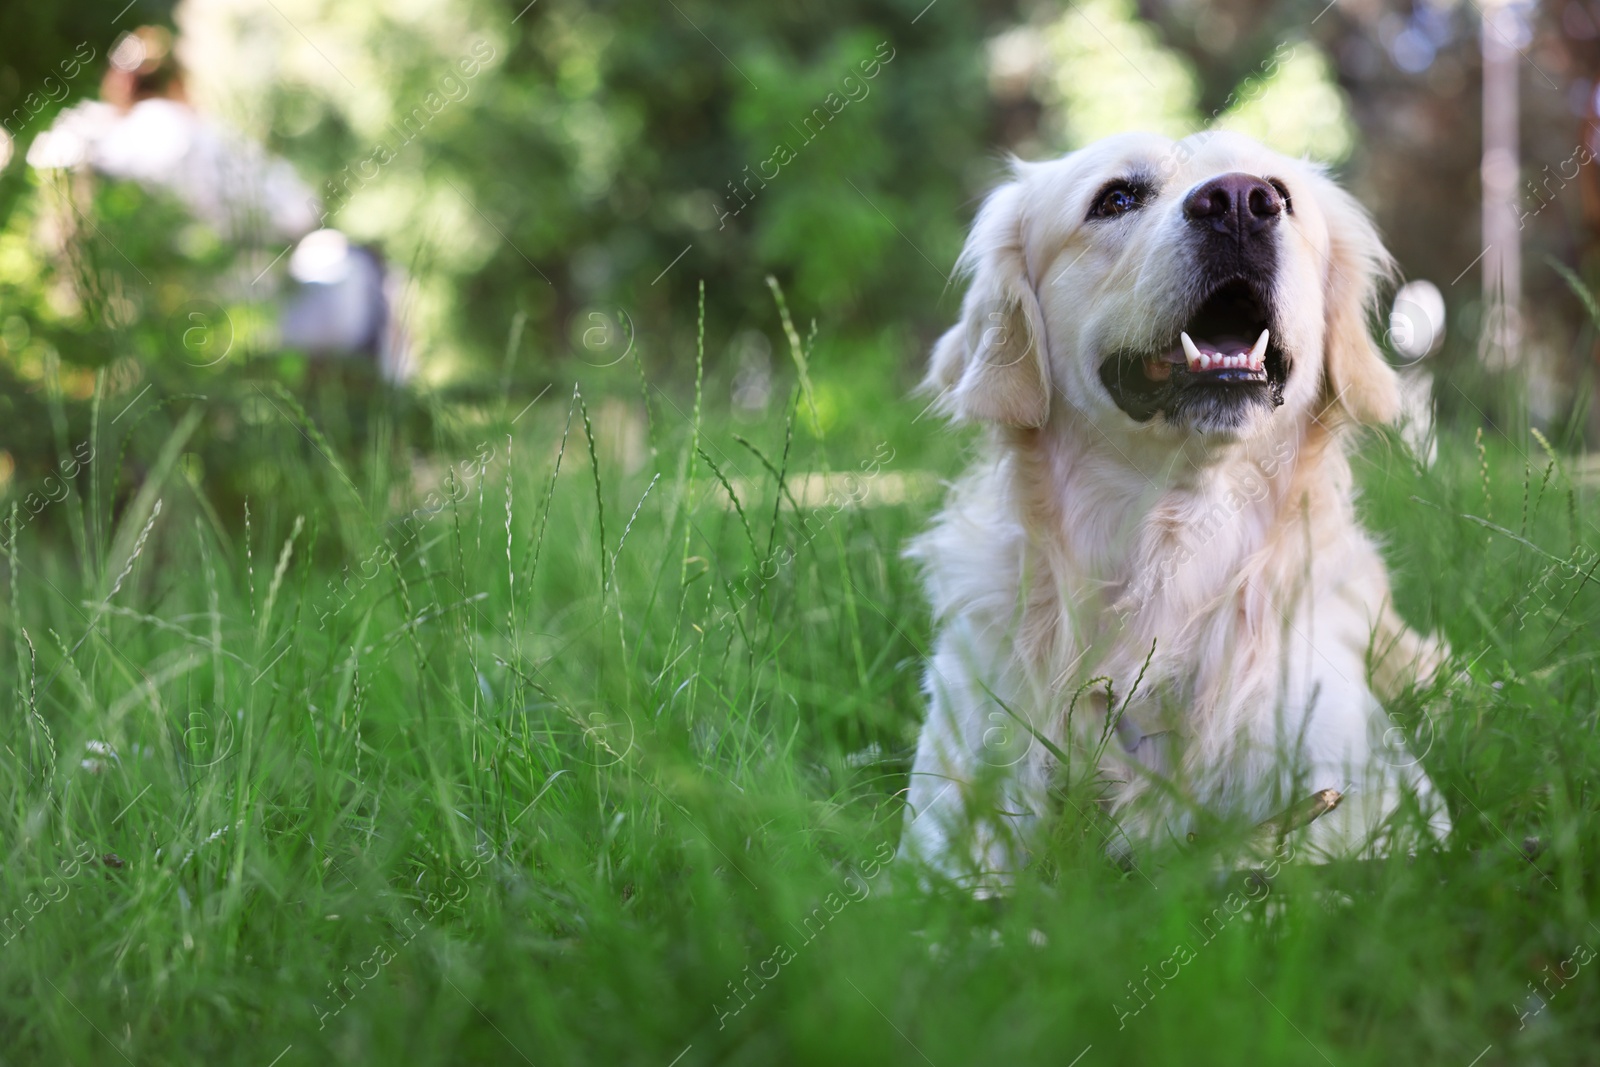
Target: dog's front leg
{"points": [[976, 784], [1348, 742]]}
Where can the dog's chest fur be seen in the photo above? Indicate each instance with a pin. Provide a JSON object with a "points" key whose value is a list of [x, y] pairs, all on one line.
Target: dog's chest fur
{"points": [[1183, 580]]}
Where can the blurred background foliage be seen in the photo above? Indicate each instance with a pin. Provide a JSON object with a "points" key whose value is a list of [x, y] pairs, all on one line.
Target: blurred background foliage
{"points": [[558, 205]]}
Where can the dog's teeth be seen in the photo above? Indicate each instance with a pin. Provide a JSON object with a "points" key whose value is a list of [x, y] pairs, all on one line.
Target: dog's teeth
{"points": [[1260, 350], [1197, 358]]}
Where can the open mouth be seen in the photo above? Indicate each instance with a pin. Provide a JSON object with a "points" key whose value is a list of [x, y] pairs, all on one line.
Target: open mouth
{"points": [[1222, 363]]}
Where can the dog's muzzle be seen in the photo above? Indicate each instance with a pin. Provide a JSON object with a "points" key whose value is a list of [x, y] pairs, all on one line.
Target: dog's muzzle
{"points": [[1221, 361]]}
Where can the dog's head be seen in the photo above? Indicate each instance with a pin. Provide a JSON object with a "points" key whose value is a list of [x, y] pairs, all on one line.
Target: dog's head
{"points": [[1205, 286]]}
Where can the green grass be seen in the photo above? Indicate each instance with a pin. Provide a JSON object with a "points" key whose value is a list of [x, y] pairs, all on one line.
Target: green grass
{"points": [[551, 801]]}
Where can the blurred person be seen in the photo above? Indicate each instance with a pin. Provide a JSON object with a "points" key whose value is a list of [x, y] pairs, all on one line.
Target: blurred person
{"points": [[145, 130]]}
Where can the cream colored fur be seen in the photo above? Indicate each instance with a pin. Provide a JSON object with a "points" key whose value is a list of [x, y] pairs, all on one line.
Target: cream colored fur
{"points": [[1083, 544]]}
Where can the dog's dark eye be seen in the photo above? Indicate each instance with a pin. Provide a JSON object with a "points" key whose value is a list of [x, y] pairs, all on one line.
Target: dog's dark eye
{"points": [[1118, 199]]}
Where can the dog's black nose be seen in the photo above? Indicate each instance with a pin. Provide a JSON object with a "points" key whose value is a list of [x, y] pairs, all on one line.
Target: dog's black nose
{"points": [[1240, 204]]}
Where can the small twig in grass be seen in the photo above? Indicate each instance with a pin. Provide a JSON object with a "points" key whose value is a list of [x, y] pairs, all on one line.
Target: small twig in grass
{"points": [[1302, 813]]}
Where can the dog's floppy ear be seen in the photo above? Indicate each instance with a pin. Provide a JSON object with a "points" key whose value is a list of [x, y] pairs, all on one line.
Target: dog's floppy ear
{"points": [[1357, 380], [991, 365]]}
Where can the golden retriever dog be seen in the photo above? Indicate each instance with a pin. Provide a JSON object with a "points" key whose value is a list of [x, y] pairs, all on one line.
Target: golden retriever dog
{"points": [[1154, 569]]}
